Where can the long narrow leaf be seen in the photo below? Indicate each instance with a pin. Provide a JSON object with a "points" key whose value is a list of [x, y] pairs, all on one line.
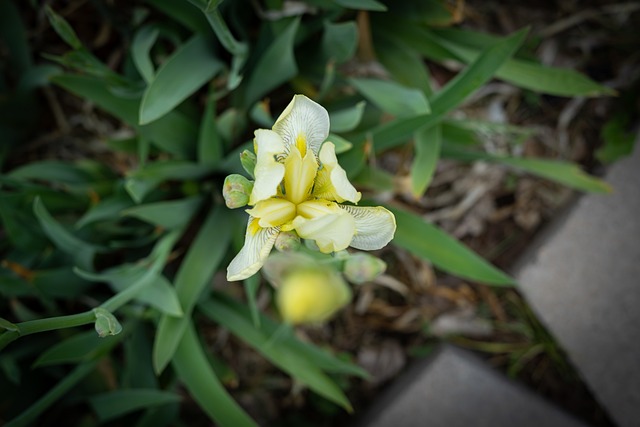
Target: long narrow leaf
{"points": [[194, 274], [565, 173], [279, 353], [190, 362], [121, 402], [453, 94], [185, 71], [427, 241], [427, 153]]}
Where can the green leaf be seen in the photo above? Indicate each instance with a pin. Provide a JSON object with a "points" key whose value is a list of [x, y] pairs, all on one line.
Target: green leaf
{"points": [[117, 403], [276, 66], [109, 208], [78, 348], [6, 325], [195, 273], [342, 145], [14, 37], [392, 97], [174, 133], [210, 146], [195, 372], [65, 241], [565, 173], [251, 286], [467, 44], [167, 214], [427, 153], [29, 416], [62, 27], [346, 119], [339, 41], [277, 349], [405, 64], [453, 94], [618, 140], [372, 5], [427, 241], [190, 67], [143, 41], [140, 182]]}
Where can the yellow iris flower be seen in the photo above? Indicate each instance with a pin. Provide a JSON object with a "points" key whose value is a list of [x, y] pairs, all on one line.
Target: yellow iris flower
{"points": [[300, 186]]}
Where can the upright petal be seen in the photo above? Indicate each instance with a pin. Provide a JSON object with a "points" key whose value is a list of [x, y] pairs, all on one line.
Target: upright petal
{"points": [[303, 121], [268, 172], [300, 173], [332, 182], [258, 242], [332, 232], [375, 227]]}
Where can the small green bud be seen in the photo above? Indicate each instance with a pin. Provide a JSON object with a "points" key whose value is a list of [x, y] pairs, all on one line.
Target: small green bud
{"points": [[236, 191], [287, 241], [361, 267], [248, 161], [106, 323]]}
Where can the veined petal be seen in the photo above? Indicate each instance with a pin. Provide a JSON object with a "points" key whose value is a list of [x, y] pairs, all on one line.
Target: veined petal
{"points": [[375, 226], [268, 172], [273, 212], [332, 182], [258, 242], [299, 176], [331, 232], [303, 120]]}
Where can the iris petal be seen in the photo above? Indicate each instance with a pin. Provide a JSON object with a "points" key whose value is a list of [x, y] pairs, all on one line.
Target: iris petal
{"points": [[303, 118], [332, 182], [258, 242], [375, 226], [268, 172]]}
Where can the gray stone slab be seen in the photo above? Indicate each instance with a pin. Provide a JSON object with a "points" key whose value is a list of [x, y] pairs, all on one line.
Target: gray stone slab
{"points": [[457, 389], [583, 281]]}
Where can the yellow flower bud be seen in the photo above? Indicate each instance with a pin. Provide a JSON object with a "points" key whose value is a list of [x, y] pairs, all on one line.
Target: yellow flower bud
{"points": [[311, 295]]}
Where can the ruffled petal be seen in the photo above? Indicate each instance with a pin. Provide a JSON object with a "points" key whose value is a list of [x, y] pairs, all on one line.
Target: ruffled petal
{"points": [[332, 182], [331, 232], [303, 122], [268, 172], [258, 242], [375, 226]]}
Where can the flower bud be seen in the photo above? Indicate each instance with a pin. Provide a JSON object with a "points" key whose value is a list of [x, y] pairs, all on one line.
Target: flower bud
{"points": [[361, 267], [236, 191], [248, 161], [311, 295], [287, 241]]}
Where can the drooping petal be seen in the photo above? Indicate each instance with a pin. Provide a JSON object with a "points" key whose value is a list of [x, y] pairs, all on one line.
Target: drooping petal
{"points": [[332, 182], [303, 121], [299, 176], [273, 212], [268, 172], [375, 226], [258, 242], [332, 232]]}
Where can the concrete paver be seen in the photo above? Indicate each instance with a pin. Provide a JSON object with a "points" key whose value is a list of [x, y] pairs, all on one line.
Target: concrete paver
{"points": [[583, 282], [457, 389]]}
